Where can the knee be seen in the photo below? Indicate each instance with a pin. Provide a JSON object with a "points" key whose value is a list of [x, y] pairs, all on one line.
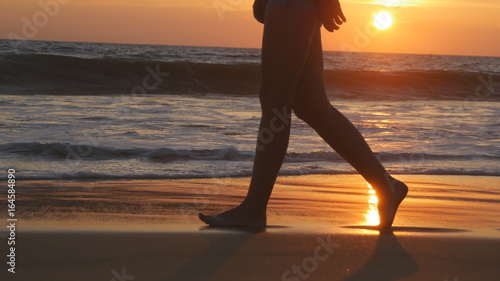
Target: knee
{"points": [[312, 113], [306, 112], [302, 111], [271, 103]]}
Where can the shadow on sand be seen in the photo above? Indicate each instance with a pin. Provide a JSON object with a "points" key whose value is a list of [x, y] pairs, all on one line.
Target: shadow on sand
{"points": [[209, 263], [389, 262]]}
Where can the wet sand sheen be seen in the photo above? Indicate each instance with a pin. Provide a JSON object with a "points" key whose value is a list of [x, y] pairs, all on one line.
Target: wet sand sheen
{"points": [[447, 228], [471, 202]]}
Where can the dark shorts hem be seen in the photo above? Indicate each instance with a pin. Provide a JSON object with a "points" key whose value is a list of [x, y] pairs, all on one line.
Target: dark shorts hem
{"points": [[309, 5]]}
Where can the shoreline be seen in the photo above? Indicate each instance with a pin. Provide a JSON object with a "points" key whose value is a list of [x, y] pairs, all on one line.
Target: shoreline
{"points": [[342, 203], [120, 178]]}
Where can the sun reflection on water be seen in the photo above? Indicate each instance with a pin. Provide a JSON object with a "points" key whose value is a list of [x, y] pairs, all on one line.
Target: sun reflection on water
{"points": [[371, 215]]}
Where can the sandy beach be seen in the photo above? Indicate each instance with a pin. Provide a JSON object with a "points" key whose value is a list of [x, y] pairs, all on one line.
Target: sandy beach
{"points": [[319, 229]]}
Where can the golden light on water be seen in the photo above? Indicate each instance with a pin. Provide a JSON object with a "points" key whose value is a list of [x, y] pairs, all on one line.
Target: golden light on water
{"points": [[377, 123], [371, 215]]}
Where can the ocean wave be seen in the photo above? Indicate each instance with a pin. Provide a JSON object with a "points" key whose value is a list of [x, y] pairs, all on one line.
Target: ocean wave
{"points": [[88, 152], [67, 75], [84, 176]]}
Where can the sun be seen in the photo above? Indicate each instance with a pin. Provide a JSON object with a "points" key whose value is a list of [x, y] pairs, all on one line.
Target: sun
{"points": [[383, 20]]}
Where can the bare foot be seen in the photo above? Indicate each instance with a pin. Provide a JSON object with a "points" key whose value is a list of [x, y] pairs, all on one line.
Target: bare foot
{"points": [[236, 217], [388, 203]]}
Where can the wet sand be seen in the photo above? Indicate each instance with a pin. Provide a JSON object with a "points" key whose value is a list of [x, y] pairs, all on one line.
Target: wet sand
{"points": [[447, 229]]}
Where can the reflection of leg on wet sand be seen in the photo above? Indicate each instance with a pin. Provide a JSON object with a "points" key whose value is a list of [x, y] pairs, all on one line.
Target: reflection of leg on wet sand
{"points": [[389, 262]]}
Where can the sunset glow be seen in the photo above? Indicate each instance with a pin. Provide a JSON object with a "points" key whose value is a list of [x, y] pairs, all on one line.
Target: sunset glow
{"points": [[435, 27], [383, 20], [398, 3]]}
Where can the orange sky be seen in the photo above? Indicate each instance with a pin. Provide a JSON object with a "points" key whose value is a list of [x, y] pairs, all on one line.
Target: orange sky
{"points": [[456, 27]]}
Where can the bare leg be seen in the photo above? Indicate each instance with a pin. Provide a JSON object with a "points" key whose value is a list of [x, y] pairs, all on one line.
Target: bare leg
{"points": [[292, 62], [312, 106], [287, 35]]}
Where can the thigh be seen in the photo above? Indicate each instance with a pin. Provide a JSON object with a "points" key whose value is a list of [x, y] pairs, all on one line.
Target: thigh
{"points": [[311, 94], [287, 38]]}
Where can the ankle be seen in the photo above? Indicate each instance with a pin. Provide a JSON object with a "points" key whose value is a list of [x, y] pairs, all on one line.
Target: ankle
{"points": [[385, 184], [252, 210]]}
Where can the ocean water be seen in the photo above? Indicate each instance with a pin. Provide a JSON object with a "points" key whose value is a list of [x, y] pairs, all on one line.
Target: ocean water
{"points": [[92, 110]]}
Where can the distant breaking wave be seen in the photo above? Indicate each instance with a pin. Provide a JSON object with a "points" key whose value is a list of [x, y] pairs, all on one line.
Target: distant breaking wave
{"points": [[22, 74], [96, 153]]}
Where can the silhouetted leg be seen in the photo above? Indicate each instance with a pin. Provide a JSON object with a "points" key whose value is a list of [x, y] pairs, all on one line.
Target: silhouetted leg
{"points": [[287, 36], [312, 105]]}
